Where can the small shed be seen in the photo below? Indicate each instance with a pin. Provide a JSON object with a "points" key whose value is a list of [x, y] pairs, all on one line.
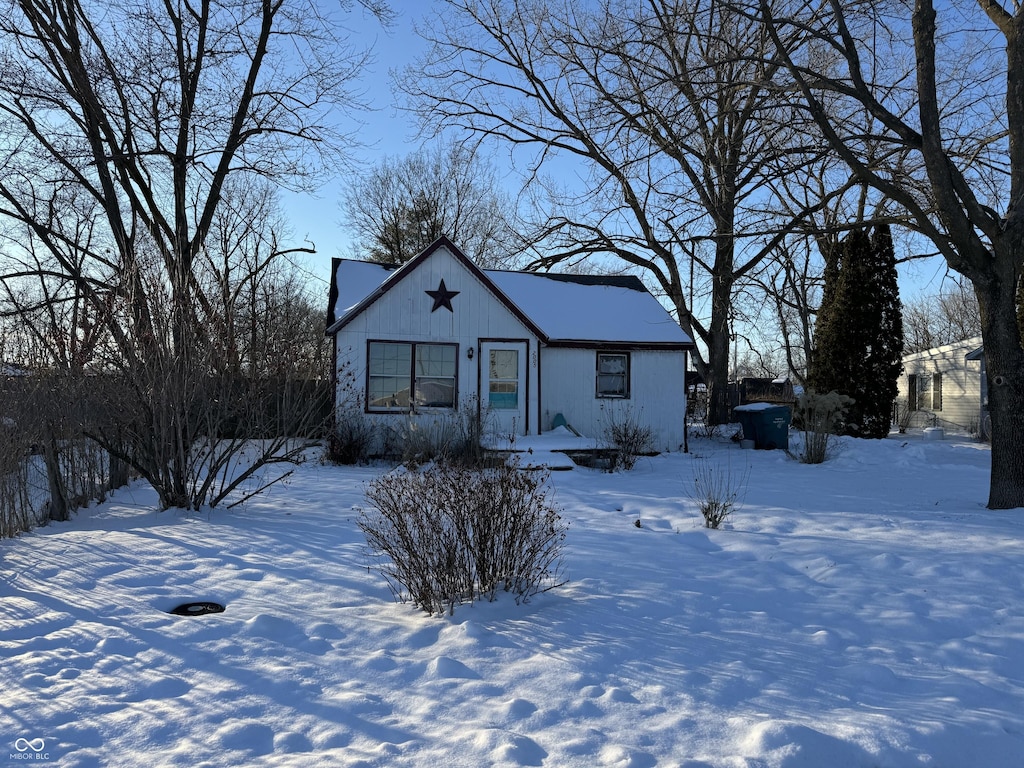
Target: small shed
{"points": [[437, 334]]}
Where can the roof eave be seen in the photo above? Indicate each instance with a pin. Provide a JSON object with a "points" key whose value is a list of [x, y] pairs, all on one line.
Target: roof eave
{"points": [[605, 344]]}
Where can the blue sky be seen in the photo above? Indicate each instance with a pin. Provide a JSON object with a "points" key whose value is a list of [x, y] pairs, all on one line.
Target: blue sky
{"points": [[387, 130]]}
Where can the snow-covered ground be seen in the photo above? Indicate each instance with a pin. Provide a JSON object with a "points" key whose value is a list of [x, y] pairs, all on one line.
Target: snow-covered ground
{"points": [[864, 613]]}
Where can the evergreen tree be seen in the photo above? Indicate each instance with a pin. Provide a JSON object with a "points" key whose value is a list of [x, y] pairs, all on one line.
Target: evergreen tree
{"points": [[821, 363], [859, 332]]}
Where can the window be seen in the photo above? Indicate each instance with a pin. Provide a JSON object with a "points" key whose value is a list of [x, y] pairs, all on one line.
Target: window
{"points": [[503, 379], [434, 384], [925, 391], [613, 374], [402, 374], [390, 380]]}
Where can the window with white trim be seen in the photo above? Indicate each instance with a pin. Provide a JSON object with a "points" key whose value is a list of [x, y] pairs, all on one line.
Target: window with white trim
{"points": [[613, 374], [403, 374], [925, 391]]}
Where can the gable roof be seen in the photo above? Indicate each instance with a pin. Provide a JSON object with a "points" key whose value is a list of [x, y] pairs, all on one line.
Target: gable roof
{"points": [[561, 310], [351, 283], [345, 303], [590, 309], [972, 349]]}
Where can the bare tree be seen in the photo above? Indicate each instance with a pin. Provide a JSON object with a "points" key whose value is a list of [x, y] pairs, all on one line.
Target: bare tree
{"points": [[255, 292], [52, 334], [947, 316], [785, 289], [784, 298], [961, 118], [141, 114], [404, 204], [672, 124]]}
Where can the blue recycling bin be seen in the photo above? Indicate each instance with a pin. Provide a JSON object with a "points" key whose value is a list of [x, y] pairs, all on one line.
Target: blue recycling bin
{"points": [[766, 424]]}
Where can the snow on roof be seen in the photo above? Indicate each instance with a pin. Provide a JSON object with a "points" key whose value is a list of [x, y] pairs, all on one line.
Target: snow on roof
{"points": [[589, 310], [971, 344], [360, 279], [583, 308]]}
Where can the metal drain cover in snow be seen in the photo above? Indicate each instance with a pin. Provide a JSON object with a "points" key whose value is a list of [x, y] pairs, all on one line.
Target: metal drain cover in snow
{"points": [[197, 609]]}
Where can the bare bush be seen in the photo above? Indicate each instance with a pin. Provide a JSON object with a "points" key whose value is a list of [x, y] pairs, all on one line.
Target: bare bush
{"points": [[48, 468], [819, 417], [455, 436], [630, 438], [717, 491], [202, 439], [698, 421], [15, 500], [449, 534], [350, 440], [904, 414]]}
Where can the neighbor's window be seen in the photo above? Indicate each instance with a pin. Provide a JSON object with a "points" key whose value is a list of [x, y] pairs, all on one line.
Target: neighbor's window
{"points": [[401, 373], [925, 391], [612, 374]]}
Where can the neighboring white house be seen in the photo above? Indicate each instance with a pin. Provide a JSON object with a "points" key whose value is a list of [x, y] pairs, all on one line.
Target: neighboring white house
{"points": [[946, 387], [527, 349]]}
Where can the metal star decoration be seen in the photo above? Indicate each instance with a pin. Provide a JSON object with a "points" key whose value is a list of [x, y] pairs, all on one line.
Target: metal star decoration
{"points": [[442, 297]]}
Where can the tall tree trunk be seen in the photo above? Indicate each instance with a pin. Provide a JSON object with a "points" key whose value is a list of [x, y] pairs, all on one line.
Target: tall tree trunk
{"points": [[1004, 366], [59, 508], [718, 332]]}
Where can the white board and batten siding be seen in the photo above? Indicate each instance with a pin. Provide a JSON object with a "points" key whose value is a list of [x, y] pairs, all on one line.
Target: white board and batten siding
{"points": [[534, 339], [657, 393], [961, 385], [403, 313]]}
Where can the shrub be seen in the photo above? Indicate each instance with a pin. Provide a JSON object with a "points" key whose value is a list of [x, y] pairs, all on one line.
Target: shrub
{"points": [[701, 428], [819, 417], [904, 414], [350, 439], [630, 438], [454, 436], [449, 534], [16, 513], [717, 491], [466, 444], [48, 469]]}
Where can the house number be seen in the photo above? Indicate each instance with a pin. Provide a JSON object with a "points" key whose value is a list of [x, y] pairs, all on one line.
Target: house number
{"points": [[533, 359]]}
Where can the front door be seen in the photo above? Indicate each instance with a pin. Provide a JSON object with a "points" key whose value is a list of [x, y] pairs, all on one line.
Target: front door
{"points": [[503, 386]]}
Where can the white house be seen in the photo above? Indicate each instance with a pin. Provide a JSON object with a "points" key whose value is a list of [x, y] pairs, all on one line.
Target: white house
{"points": [[529, 350], [945, 387]]}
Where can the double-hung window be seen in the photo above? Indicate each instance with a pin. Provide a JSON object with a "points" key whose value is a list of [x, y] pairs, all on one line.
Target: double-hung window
{"points": [[925, 391], [402, 375], [434, 375], [613, 374]]}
